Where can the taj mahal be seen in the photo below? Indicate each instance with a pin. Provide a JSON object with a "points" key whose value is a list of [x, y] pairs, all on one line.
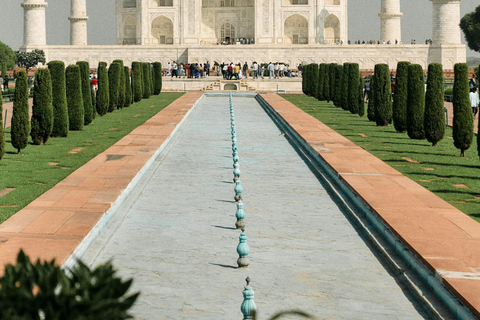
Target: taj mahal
{"points": [[291, 31]]}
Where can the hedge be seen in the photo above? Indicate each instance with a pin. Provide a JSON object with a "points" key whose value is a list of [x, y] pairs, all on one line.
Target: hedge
{"points": [[157, 71], [128, 87], [361, 104], [434, 121], [2, 133], [76, 112], [338, 85], [382, 95], [114, 85], [400, 97], [146, 80], [326, 83], [353, 76], [321, 82], [20, 128], [462, 112], [371, 101], [86, 91], [331, 81], [121, 86], [103, 96], [42, 109], [137, 81], [59, 99], [345, 78], [415, 102]]}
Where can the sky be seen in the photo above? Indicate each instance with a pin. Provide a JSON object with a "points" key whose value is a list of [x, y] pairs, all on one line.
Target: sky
{"points": [[363, 21]]}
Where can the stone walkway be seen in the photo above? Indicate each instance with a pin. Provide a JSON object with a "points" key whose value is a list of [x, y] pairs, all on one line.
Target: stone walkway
{"points": [[175, 235]]}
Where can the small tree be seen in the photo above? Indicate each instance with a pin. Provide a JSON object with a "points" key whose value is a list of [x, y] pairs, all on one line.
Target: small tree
{"points": [[146, 80], [462, 112], [383, 95], [128, 87], [326, 83], [86, 91], [434, 122], [321, 82], [361, 104], [338, 85], [59, 99], [415, 102], [353, 76], [122, 89], [470, 25], [76, 112], [331, 82], [137, 81], [157, 70], [30, 59], [344, 94], [42, 110], [2, 133], [102, 101], [400, 97], [20, 115], [7, 58], [371, 100], [114, 85]]}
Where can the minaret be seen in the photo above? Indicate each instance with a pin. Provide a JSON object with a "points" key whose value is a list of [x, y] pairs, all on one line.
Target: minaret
{"points": [[446, 20], [78, 22], [34, 29], [390, 24]]}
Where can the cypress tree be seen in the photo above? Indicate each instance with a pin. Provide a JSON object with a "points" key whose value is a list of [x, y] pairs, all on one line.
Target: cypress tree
{"points": [[304, 79], [157, 70], [400, 97], [59, 99], [345, 77], [76, 112], [113, 85], [331, 82], [353, 76], [86, 91], [326, 83], [415, 102], [434, 120], [321, 82], [315, 77], [137, 83], [20, 114], [371, 101], [338, 85], [128, 87], [42, 110], [383, 95], [122, 89], [462, 112], [102, 97], [2, 133], [361, 104], [146, 80], [152, 86]]}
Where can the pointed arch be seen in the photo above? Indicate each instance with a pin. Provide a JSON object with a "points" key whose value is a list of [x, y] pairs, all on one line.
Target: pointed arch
{"points": [[295, 30], [332, 29], [162, 30]]}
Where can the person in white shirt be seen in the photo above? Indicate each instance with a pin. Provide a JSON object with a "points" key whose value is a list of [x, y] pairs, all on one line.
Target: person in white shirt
{"points": [[474, 101], [271, 69], [255, 70]]}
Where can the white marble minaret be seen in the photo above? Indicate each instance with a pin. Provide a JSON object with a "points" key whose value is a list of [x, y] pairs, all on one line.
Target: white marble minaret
{"points": [[390, 23], [78, 22], [446, 19], [34, 28]]}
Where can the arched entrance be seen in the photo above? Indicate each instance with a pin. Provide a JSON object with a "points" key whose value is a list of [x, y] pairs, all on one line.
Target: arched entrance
{"points": [[230, 87], [296, 30], [332, 29], [227, 32], [162, 30], [130, 30]]}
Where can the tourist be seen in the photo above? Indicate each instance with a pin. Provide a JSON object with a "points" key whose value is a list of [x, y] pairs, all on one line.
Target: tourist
{"points": [[255, 70], [174, 69], [224, 71], [276, 70], [181, 71], [281, 67], [192, 70], [95, 83], [473, 82], [262, 70], [236, 70], [245, 70], [366, 91], [207, 69], [230, 71], [5, 83], [169, 69], [1, 83], [474, 101]]}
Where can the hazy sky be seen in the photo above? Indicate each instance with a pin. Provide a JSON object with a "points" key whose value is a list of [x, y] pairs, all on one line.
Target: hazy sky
{"points": [[363, 21]]}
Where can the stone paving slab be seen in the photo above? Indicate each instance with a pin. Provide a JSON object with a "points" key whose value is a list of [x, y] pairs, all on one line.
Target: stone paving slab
{"points": [[444, 238], [53, 225]]}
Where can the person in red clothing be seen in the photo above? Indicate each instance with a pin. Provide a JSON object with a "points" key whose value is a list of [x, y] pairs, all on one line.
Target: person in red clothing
{"points": [[95, 83]]}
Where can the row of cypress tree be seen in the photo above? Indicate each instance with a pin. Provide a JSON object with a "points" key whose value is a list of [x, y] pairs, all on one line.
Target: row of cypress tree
{"points": [[64, 99], [415, 107]]}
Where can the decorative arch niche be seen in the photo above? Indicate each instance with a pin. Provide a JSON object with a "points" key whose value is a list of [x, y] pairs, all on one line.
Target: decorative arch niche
{"points": [[162, 30], [296, 30], [332, 29], [332, 2]]}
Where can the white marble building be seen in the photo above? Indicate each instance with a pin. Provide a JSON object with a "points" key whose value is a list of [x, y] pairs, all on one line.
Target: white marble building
{"points": [[290, 31]]}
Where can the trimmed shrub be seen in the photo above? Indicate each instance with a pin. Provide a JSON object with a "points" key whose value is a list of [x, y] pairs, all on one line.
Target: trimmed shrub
{"points": [[400, 97], [157, 72], [86, 91], [345, 77], [121, 86], [114, 85], [59, 99], [2, 133], [434, 120], [20, 116], [371, 101], [151, 79], [338, 85], [315, 78], [321, 82], [137, 81], [146, 80], [462, 112], [128, 87], [103, 96], [353, 76], [415, 102], [42, 110], [76, 112], [331, 81], [304, 79], [361, 104], [383, 95], [326, 83]]}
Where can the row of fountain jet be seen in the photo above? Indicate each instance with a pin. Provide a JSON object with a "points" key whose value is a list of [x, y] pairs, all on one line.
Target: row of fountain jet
{"points": [[248, 306]]}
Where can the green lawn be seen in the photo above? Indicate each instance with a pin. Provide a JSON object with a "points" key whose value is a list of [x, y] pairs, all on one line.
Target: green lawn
{"points": [[39, 168], [439, 169]]}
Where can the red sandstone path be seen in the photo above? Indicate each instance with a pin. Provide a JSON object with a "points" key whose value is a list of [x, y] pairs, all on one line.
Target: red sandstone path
{"points": [[449, 107], [8, 107], [445, 239]]}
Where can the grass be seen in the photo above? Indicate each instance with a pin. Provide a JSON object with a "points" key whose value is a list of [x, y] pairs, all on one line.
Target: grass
{"points": [[439, 169], [39, 168]]}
